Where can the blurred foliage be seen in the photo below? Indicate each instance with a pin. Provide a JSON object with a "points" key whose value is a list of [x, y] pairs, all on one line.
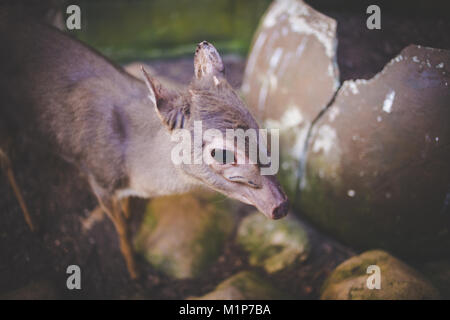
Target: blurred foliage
{"points": [[126, 30]]}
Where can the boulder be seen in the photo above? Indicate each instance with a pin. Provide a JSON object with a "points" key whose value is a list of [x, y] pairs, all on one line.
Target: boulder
{"points": [[291, 75], [245, 285], [378, 170], [273, 245], [398, 281], [183, 235]]}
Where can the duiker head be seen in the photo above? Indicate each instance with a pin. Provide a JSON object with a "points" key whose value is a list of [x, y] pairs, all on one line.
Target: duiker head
{"points": [[209, 111]]}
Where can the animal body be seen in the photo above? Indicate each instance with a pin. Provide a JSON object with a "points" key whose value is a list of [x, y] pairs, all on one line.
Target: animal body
{"points": [[117, 129]]}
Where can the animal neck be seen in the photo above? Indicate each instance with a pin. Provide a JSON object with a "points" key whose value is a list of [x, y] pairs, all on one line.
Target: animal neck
{"points": [[150, 168]]}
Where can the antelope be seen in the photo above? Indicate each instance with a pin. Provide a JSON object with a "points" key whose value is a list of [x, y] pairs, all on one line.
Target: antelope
{"points": [[115, 128]]}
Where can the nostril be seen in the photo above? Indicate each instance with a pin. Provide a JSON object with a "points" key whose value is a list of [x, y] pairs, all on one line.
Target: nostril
{"points": [[280, 211]]}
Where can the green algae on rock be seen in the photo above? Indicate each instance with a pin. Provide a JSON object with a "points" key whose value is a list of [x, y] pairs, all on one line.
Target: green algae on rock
{"points": [[273, 245], [398, 280], [183, 235]]}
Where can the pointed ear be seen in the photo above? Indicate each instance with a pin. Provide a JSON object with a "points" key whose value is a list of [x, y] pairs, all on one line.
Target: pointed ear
{"points": [[169, 106], [207, 61]]}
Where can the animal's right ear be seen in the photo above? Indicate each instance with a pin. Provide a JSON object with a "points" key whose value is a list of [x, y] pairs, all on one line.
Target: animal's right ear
{"points": [[207, 61], [168, 105]]}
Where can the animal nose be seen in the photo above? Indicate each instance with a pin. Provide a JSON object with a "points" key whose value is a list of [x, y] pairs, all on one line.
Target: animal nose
{"points": [[281, 210]]}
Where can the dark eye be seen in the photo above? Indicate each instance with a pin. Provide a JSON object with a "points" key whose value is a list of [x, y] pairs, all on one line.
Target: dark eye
{"points": [[223, 156]]}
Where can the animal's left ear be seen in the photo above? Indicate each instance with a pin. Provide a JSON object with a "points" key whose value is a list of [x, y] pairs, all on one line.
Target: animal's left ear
{"points": [[207, 61], [169, 106]]}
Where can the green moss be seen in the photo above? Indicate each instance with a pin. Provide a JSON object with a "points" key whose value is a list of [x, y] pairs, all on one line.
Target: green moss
{"points": [[149, 223], [162, 262], [313, 200], [144, 29], [273, 245], [210, 241], [326, 203], [398, 281], [288, 177], [183, 235]]}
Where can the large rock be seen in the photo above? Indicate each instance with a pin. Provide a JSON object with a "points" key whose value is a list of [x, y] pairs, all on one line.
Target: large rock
{"points": [[398, 281], [291, 75], [183, 235], [245, 285], [378, 163], [273, 245]]}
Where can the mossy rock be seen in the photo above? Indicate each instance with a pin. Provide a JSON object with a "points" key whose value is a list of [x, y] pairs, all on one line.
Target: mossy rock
{"points": [[245, 285], [183, 235], [398, 281], [273, 245], [126, 31], [377, 173]]}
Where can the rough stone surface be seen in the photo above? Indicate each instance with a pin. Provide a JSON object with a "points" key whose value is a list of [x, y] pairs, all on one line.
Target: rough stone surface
{"points": [[245, 285], [398, 281], [273, 245], [183, 235], [291, 75], [378, 169]]}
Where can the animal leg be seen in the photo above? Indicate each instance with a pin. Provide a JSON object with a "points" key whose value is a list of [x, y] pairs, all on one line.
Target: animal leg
{"points": [[119, 220], [125, 204], [6, 165], [95, 216], [98, 214], [111, 206]]}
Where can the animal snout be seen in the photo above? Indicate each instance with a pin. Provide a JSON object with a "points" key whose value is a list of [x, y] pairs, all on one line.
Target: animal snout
{"points": [[281, 210]]}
